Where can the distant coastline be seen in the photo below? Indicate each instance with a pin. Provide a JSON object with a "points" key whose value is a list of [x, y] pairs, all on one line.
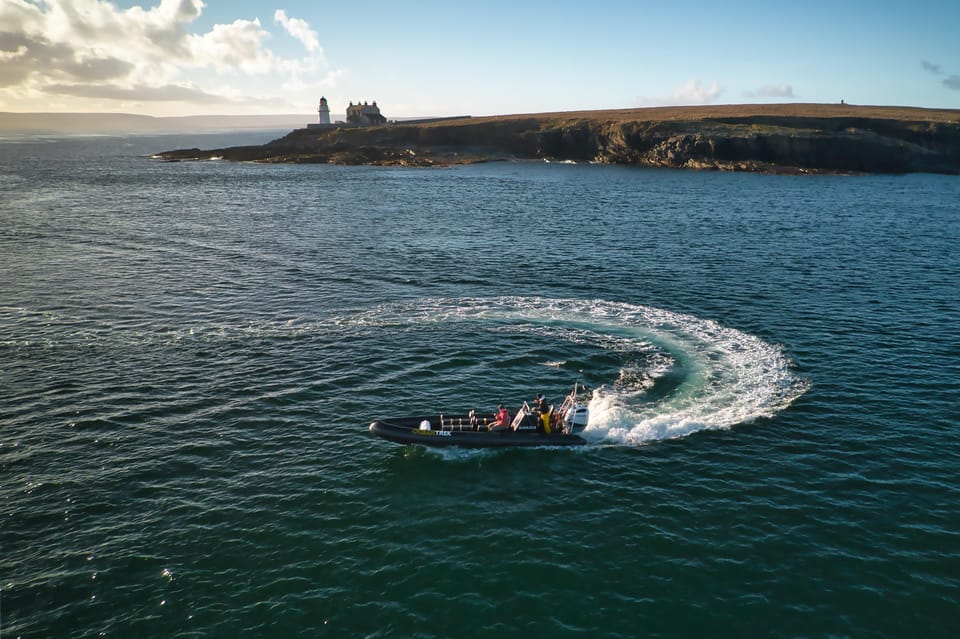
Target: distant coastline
{"points": [[775, 138], [132, 124], [780, 138]]}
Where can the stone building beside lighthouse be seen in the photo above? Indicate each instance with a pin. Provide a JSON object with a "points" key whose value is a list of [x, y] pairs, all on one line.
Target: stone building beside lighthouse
{"points": [[365, 114]]}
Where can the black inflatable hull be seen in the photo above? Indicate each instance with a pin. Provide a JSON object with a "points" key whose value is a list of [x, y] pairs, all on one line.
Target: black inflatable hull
{"points": [[406, 430]]}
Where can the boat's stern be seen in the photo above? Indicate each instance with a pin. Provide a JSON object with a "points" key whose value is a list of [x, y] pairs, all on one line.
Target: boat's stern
{"points": [[576, 418]]}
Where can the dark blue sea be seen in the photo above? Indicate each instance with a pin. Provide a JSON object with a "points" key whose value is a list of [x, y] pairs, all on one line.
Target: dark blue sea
{"points": [[191, 353]]}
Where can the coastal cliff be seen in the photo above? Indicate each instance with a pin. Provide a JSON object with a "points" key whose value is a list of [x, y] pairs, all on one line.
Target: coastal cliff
{"points": [[784, 138]]}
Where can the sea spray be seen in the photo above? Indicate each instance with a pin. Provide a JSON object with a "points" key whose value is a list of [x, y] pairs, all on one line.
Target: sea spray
{"points": [[714, 376]]}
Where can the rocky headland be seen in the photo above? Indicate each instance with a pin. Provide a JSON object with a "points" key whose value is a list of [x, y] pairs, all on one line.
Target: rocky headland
{"points": [[781, 138]]}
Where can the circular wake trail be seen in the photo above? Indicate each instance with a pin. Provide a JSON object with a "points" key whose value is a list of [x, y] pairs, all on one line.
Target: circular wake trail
{"points": [[731, 378], [722, 376]]}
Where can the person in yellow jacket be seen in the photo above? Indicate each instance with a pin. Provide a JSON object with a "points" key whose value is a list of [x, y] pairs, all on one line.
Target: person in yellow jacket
{"points": [[540, 403]]}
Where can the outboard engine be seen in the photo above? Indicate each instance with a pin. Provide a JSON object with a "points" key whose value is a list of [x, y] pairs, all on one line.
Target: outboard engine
{"points": [[576, 418]]}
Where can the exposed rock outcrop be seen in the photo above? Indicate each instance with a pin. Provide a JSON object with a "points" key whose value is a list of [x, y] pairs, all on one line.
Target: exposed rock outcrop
{"points": [[766, 138]]}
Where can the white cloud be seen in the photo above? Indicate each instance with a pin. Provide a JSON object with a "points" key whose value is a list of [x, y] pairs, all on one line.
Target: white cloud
{"points": [[692, 92], [695, 93], [299, 29], [166, 93], [9, 56], [951, 82], [154, 34], [330, 79], [772, 91], [92, 50], [236, 47]]}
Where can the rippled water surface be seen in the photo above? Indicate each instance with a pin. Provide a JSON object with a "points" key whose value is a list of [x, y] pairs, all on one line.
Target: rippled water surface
{"points": [[190, 354]]}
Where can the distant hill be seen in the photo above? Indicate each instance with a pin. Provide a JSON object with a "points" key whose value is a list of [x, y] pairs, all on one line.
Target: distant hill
{"points": [[126, 123]]}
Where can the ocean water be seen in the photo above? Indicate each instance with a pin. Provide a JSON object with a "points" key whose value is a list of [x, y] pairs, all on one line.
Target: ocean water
{"points": [[190, 354]]}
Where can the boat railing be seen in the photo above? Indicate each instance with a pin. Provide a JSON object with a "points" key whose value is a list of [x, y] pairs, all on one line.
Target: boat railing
{"points": [[478, 422], [520, 416], [569, 402], [468, 422]]}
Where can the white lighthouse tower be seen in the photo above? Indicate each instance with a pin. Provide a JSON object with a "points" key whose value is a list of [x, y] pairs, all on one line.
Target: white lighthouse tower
{"points": [[324, 112]]}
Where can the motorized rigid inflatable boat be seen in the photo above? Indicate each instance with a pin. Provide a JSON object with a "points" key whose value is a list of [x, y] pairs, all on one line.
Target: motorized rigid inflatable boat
{"points": [[529, 427]]}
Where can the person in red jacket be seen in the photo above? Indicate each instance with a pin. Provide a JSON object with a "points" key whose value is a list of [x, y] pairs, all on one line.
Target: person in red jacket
{"points": [[502, 419]]}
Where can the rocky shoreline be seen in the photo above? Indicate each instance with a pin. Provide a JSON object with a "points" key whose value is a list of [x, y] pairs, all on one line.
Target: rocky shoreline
{"points": [[798, 138]]}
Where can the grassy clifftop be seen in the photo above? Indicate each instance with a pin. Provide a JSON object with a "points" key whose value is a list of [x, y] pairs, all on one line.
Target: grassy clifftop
{"points": [[768, 138]]}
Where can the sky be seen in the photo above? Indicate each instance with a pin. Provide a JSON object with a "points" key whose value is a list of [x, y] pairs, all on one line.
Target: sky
{"points": [[433, 58]]}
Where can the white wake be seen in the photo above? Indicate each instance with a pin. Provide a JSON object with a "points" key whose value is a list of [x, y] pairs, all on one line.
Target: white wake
{"points": [[724, 376]]}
